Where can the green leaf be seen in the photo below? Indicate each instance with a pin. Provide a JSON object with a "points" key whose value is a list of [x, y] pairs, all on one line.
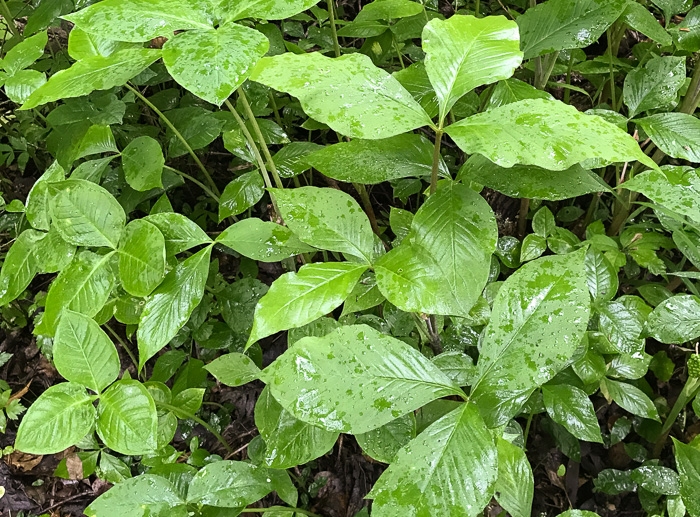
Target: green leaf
{"points": [[264, 9], [20, 265], [515, 485], [530, 181], [127, 419], [415, 79], [354, 380], [545, 133], [641, 19], [389, 10], [24, 53], [464, 52], [84, 287], [61, 416], [571, 407], [136, 496], [578, 513], [295, 299], [289, 441], [141, 258], [262, 240], [82, 44], [328, 219], [654, 85], [631, 398], [142, 20], [675, 320], [242, 193], [601, 276], [348, 93], [83, 353], [622, 326], [450, 469], [656, 479], [180, 232], [37, 210], [375, 161], [86, 214], [688, 465], [364, 295], [19, 87], [234, 369], [291, 159], [189, 400], [236, 484], [383, 443], [93, 73], [676, 188], [563, 24], [169, 307], [231, 52], [143, 162], [539, 317], [198, 126], [687, 33], [513, 90], [443, 264], [676, 134], [54, 253]]}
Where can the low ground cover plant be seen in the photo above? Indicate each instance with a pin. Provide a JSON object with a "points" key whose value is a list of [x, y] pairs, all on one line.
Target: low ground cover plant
{"points": [[432, 231]]}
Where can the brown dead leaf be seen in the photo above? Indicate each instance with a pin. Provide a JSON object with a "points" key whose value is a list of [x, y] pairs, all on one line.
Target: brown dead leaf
{"points": [[22, 461]]}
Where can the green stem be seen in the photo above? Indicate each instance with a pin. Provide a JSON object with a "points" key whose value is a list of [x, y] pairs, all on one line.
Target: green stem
{"points": [[334, 32], [398, 52], [187, 414], [367, 202], [692, 97], [477, 8], [545, 71], [691, 388], [522, 216], [527, 429], [261, 139], [613, 93], [280, 509], [278, 119], [201, 185], [126, 348], [5, 11], [567, 91], [436, 162], [179, 136]]}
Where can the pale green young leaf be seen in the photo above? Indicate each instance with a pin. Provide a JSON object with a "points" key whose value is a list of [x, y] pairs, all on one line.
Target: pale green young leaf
{"points": [[515, 485], [262, 240], [86, 214], [328, 219], [513, 90], [82, 44], [141, 258], [213, 63], [675, 320], [569, 406], [128, 498], [142, 161], [354, 379], [451, 465], [37, 205], [676, 134], [464, 52], [96, 140], [264, 9], [127, 419], [631, 398], [348, 93], [83, 353], [20, 86], [539, 317], [20, 265], [416, 81], [93, 73], [169, 307], [654, 85], [54, 254], [242, 193], [443, 264], [545, 133], [24, 53], [234, 369], [295, 299], [688, 465], [181, 233], [388, 10], [384, 443], [289, 441], [61, 416]]}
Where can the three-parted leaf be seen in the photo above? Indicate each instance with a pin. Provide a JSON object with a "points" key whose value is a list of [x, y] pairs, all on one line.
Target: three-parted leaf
{"points": [[262, 240], [141, 258], [354, 379]]}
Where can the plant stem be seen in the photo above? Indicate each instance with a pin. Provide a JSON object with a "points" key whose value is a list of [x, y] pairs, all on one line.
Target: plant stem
{"points": [[522, 216], [364, 196], [201, 185], [527, 429], [261, 139], [187, 414], [436, 162], [126, 348], [179, 136], [334, 32], [278, 119], [280, 509], [477, 8], [692, 97], [613, 93], [5, 11], [546, 70], [691, 388], [567, 91]]}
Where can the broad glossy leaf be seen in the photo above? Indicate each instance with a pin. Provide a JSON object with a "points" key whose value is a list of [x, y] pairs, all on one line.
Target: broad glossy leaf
{"points": [[641, 19], [93, 73], [601, 276], [449, 469], [291, 159], [688, 465], [383, 443], [676, 320], [295, 299], [364, 296], [82, 44], [96, 140], [127, 420], [565, 24], [621, 325], [654, 85], [242, 193], [24, 53], [687, 33], [569, 406], [233, 369], [61, 416], [142, 20], [375, 161], [288, 440], [328, 219], [443, 264], [83, 353], [631, 398], [538, 320], [515, 485], [213, 63], [86, 214], [464, 52], [676, 134], [19, 87], [264, 9], [545, 133], [37, 204], [53, 253], [514, 90], [142, 161], [415, 79], [530, 181], [354, 379], [141, 258], [130, 498], [348, 93], [197, 125], [262, 240], [676, 188], [20, 265], [169, 307], [389, 10], [84, 287], [180, 232]]}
